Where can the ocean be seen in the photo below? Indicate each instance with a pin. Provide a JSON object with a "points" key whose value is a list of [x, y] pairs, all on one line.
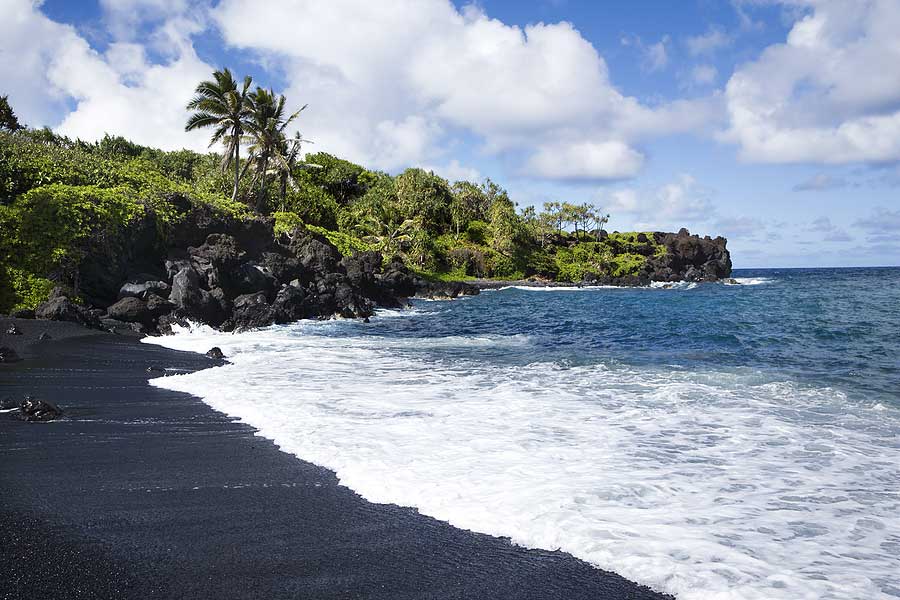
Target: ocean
{"points": [[708, 440]]}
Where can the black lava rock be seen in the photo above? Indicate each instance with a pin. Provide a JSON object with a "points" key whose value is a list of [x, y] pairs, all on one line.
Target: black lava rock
{"points": [[35, 410], [13, 330], [8, 355], [130, 310], [215, 352]]}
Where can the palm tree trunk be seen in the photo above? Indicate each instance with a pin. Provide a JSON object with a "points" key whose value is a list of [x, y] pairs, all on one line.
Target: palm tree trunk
{"points": [[262, 184], [284, 177], [237, 167]]}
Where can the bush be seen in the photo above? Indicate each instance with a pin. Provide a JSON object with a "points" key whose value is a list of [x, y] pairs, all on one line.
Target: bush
{"points": [[286, 222], [345, 243]]}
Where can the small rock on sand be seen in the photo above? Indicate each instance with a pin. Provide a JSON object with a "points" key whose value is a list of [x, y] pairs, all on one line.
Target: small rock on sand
{"points": [[8, 355], [35, 410]]}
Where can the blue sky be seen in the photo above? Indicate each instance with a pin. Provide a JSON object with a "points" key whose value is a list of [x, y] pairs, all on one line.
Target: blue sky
{"points": [[767, 121]]}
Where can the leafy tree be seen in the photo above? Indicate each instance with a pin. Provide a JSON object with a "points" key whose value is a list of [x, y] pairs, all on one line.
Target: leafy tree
{"points": [[468, 203], [221, 104], [8, 118], [426, 197], [342, 179]]}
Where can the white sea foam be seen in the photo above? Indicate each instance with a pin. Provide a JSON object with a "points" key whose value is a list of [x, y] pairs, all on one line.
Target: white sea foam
{"points": [[709, 485], [558, 288], [751, 281], [677, 285]]}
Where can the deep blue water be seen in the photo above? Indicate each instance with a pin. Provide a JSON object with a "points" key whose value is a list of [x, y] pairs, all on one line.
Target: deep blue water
{"points": [[837, 327]]}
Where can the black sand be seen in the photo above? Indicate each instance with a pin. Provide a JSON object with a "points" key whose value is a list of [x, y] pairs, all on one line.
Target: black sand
{"points": [[145, 493]]}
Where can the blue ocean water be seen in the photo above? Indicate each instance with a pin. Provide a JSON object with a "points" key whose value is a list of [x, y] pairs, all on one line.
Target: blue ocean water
{"points": [[836, 327], [709, 440]]}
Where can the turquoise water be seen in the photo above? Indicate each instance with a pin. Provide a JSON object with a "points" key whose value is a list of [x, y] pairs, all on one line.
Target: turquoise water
{"points": [[713, 441]]}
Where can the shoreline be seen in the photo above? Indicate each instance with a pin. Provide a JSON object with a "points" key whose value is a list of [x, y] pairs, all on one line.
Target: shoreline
{"points": [[142, 492]]}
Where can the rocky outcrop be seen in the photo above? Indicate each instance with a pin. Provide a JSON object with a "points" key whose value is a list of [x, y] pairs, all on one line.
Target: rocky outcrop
{"points": [[690, 258], [234, 274]]}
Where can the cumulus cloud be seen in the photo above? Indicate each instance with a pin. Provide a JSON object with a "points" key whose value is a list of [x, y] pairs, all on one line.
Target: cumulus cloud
{"points": [[117, 91], [515, 90], [820, 96], [389, 85], [679, 203], [454, 171], [586, 160]]}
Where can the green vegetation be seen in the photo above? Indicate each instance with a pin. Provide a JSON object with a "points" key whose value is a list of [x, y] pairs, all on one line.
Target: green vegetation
{"points": [[63, 199]]}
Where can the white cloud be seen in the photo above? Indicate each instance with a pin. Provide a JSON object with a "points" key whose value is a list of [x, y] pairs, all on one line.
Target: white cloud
{"points": [[389, 85], [125, 18], [461, 72], [586, 160], [679, 203], [821, 96], [708, 42], [704, 74], [455, 171], [117, 92]]}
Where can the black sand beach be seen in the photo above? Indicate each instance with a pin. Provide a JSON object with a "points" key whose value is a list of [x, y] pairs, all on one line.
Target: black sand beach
{"points": [[145, 493]]}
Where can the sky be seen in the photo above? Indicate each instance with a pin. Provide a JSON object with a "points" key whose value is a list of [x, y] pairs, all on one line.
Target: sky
{"points": [[775, 123]]}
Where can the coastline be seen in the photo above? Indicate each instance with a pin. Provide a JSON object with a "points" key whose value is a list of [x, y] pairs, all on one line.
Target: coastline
{"points": [[143, 492]]}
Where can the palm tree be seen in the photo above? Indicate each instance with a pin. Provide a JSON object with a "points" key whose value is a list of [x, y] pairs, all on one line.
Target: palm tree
{"points": [[266, 134], [221, 104], [387, 230], [287, 158]]}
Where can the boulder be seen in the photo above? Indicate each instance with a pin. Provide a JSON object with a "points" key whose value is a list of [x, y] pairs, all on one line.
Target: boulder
{"points": [[316, 254], [291, 304], [142, 289], [130, 310], [8, 355], [35, 410], [158, 306], [215, 352], [60, 308], [252, 310], [281, 265], [216, 259], [194, 302]]}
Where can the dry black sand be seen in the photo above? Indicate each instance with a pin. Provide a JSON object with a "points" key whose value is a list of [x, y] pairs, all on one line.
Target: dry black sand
{"points": [[145, 493]]}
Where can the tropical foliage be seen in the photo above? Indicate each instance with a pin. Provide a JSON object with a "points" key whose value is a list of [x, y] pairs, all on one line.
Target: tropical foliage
{"points": [[60, 197]]}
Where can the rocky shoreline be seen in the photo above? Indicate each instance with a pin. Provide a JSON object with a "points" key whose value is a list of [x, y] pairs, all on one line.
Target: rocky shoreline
{"points": [[232, 274], [239, 273]]}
